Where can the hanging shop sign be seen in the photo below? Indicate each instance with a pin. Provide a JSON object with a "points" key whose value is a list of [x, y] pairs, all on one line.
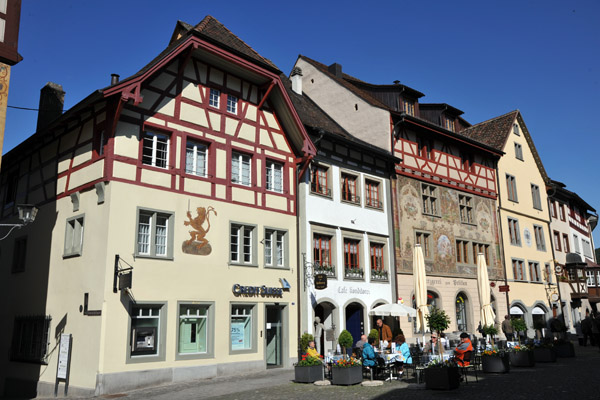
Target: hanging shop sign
{"points": [[252, 291], [320, 281]]}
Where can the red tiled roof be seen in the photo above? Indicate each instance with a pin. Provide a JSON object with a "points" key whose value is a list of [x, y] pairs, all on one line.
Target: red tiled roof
{"points": [[493, 132]]}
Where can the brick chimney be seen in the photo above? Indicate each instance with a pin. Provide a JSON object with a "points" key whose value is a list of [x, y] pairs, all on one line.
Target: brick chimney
{"points": [[52, 100], [335, 69], [296, 77]]}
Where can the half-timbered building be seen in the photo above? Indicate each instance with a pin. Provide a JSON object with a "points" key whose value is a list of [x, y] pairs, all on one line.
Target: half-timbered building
{"points": [[444, 195], [165, 238]]}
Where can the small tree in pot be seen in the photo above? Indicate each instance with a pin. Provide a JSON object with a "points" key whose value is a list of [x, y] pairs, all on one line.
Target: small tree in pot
{"points": [[519, 326], [490, 330], [438, 321], [304, 340], [346, 341]]}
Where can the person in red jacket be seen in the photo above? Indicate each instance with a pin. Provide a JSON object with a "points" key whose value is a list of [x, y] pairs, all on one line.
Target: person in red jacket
{"points": [[464, 346]]}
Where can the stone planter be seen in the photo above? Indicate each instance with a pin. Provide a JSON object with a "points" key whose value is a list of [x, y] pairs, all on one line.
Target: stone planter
{"points": [[442, 378], [544, 354], [522, 359], [564, 350], [495, 364], [346, 376], [308, 374]]}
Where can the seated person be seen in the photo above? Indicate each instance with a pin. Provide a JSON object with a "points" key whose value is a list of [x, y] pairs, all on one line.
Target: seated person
{"points": [[311, 351], [432, 346], [464, 346], [404, 349], [361, 342], [369, 354]]}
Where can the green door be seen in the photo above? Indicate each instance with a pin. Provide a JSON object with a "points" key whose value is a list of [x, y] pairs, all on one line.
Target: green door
{"points": [[192, 335]]}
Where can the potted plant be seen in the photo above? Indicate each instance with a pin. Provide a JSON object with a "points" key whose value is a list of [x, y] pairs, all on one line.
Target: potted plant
{"points": [[564, 348], [522, 356], [544, 352], [305, 339], [519, 326], [346, 341], [491, 331], [438, 321], [308, 370], [441, 375], [347, 371], [374, 333], [495, 362]]}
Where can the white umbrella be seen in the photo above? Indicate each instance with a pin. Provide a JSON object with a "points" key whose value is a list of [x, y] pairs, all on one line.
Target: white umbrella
{"points": [[420, 287], [483, 285], [394, 310]]}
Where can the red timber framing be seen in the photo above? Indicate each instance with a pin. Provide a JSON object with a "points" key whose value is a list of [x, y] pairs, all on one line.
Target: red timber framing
{"points": [[444, 169], [180, 130]]}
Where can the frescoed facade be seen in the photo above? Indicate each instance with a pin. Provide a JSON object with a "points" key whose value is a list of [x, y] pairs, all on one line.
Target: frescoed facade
{"points": [[183, 175]]}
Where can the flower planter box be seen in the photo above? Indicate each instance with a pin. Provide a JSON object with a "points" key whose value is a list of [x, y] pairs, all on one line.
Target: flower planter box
{"points": [[308, 374], [544, 354], [346, 376], [443, 378], [522, 359], [495, 364], [564, 350]]}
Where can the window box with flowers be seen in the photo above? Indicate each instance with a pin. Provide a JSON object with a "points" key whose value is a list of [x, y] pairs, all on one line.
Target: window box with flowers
{"points": [[378, 275], [522, 356], [326, 269], [353, 273], [308, 370], [495, 362], [346, 372]]}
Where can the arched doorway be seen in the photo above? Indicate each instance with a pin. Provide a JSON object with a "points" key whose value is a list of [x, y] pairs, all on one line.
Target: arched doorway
{"points": [[354, 320], [538, 316], [325, 311], [461, 304]]}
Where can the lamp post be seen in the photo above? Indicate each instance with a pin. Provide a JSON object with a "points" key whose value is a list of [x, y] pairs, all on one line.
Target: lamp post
{"points": [[27, 213]]}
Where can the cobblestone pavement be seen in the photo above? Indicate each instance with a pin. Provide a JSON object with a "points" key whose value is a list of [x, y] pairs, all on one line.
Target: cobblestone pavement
{"points": [[568, 378]]}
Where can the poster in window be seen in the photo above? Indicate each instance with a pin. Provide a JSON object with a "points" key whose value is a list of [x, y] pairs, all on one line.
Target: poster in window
{"points": [[238, 339]]}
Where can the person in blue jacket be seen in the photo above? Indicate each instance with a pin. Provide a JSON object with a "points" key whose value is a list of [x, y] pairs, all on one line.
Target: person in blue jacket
{"points": [[369, 354], [404, 349]]}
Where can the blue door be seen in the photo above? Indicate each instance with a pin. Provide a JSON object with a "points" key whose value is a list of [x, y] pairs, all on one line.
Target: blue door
{"points": [[354, 321]]}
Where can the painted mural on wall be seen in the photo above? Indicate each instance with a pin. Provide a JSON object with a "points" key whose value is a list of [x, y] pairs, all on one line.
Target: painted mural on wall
{"points": [[443, 229], [198, 244]]}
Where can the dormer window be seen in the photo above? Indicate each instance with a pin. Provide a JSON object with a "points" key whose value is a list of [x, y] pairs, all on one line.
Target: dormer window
{"points": [[408, 106], [516, 129], [448, 123]]}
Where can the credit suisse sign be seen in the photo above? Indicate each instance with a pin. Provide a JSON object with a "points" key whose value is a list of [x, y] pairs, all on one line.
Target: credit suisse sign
{"points": [[255, 291]]}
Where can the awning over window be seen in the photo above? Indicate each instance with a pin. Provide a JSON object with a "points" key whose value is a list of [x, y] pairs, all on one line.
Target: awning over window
{"points": [[536, 311], [516, 311]]}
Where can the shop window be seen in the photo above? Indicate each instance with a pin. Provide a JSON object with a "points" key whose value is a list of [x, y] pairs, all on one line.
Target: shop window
{"points": [[193, 329], [145, 330], [242, 331]]}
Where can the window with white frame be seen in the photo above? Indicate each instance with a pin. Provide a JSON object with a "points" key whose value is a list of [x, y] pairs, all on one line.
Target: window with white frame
{"points": [[155, 150], [241, 244], [593, 278], [193, 329], [145, 330], [540, 241], [535, 195], [274, 174], [154, 234], [511, 185], [232, 104], [429, 195], [195, 158], [466, 208], [513, 231], [240, 168], [518, 151], [275, 248], [519, 273], [214, 98], [73, 237], [535, 273], [241, 327]]}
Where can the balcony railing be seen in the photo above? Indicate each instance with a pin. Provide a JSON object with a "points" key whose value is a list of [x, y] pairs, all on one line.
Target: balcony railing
{"points": [[377, 275], [374, 203], [323, 191], [351, 198], [353, 273], [326, 269]]}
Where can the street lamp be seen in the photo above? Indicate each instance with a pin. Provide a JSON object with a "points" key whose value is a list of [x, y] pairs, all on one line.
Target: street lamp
{"points": [[27, 213]]}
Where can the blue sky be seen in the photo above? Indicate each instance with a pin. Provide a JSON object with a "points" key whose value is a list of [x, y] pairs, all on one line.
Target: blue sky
{"points": [[485, 58]]}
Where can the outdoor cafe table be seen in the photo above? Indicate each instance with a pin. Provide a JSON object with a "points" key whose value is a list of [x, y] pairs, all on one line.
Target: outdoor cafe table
{"points": [[390, 359]]}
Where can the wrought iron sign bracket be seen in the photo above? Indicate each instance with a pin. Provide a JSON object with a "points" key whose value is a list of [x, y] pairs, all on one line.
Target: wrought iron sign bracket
{"points": [[123, 276]]}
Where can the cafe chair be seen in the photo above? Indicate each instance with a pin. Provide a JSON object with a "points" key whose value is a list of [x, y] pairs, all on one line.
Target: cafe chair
{"points": [[468, 358]]}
